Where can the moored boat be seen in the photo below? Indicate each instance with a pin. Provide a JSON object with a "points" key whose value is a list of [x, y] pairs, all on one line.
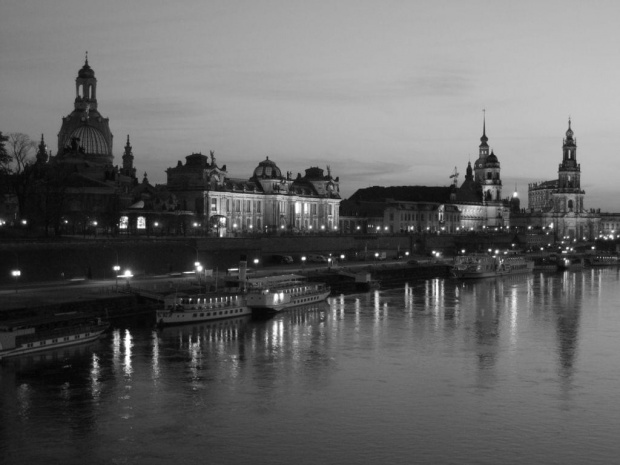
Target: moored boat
{"points": [[272, 294], [488, 266], [183, 308], [603, 259], [570, 263], [21, 337]]}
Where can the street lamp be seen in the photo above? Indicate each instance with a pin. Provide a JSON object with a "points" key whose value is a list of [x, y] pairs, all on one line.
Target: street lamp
{"points": [[199, 273], [116, 269], [16, 274], [303, 262], [127, 275]]}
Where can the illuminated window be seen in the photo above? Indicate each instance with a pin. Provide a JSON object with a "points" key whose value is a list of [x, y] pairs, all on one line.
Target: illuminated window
{"points": [[213, 205], [141, 222], [123, 223]]}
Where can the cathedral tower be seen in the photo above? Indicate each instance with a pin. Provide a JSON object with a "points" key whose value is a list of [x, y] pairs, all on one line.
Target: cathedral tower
{"points": [[85, 135], [569, 197], [487, 170]]}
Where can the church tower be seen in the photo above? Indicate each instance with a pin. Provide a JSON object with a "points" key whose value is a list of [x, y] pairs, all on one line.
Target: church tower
{"points": [[487, 170], [128, 169], [85, 135], [569, 197]]}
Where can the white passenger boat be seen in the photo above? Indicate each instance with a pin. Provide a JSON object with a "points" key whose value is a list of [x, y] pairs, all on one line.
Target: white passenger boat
{"points": [[488, 266], [21, 337], [603, 259], [182, 308], [275, 293]]}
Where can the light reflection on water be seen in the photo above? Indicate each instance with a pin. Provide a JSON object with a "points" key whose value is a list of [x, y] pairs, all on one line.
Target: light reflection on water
{"points": [[515, 370]]}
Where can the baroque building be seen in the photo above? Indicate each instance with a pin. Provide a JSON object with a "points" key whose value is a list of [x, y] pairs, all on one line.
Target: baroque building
{"points": [[94, 190], [558, 205], [477, 205], [480, 196], [266, 202]]}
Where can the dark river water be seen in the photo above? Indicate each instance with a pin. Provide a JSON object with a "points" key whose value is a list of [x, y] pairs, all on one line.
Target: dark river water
{"points": [[518, 370]]}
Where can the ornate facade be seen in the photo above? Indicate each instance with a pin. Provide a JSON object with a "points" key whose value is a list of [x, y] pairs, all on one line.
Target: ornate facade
{"points": [[559, 204], [479, 198], [80, 189], [267, 202]]}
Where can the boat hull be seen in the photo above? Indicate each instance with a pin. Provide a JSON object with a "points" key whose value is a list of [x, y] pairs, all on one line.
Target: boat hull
{"points": [[166, 318], [481, 267], [50, 342], [265, 307]]}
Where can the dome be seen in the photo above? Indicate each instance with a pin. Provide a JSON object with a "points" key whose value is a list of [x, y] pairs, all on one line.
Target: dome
{"points": [[479, 163], [86, 72], [92, 140], [492, 158], [267, 169]]}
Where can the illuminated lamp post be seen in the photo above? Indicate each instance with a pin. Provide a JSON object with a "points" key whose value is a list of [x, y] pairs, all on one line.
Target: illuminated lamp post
{"points": [[303, 262], [127, 275], [116, 269], [16, 274]]}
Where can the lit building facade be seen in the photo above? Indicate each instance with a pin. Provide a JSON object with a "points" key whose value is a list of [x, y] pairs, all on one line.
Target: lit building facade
{"points": [[558, 205], [266, 202]]}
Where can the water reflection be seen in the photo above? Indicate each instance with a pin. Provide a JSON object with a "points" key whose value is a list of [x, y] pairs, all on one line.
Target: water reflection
{"points": [[418, 361]]}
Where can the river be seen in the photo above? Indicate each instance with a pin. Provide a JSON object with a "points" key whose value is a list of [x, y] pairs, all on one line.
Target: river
{"points": [[515, 370]]}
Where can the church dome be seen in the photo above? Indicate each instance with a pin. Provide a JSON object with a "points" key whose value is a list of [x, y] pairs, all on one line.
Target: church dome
{"points": [[492, 159], [92, 140], [267, 169], [86, 72]]}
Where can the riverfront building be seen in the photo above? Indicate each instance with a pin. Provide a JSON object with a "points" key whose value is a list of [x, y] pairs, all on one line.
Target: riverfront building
{"points": [[268, 201], [476, 205], [558, 206]]}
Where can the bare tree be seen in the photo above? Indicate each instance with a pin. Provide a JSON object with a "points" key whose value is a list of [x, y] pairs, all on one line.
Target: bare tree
{"points": [[19, 170], [5, 159], [20, 150]]}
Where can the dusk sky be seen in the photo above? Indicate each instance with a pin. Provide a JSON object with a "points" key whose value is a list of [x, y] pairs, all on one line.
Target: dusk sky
{"points": [[385, 92]]}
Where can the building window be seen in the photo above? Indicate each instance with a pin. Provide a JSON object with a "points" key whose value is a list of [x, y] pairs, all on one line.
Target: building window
{"points": [[248, 206], [213, 205], [141, 222], [238, 205], [313, 209], [258, 207], [123, 222]]}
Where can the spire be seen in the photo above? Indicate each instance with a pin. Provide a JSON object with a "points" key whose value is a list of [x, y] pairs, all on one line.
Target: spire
{"points": [[42, 152], [484, 137], [569, 132], [128, 168], [86, 59]]}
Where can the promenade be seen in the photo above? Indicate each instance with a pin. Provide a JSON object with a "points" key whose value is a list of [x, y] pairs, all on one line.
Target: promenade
{"points": [[31, 295]]}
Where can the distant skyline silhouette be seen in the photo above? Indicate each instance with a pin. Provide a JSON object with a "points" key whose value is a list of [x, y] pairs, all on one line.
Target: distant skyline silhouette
{"points": [[387, 93]]}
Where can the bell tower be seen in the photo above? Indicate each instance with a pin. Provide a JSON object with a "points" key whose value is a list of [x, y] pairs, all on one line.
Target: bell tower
{"points": [[569, 172], [568, 197], [86, 89]]}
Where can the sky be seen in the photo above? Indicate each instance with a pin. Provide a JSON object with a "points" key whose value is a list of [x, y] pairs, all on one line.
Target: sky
{"points": [[384, 92]]}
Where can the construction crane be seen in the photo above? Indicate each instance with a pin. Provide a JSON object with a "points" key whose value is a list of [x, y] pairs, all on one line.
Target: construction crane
{"points": [[455, 175]]}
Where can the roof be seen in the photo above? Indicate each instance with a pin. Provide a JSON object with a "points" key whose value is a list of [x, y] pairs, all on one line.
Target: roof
{"points": [[404, 193]]}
